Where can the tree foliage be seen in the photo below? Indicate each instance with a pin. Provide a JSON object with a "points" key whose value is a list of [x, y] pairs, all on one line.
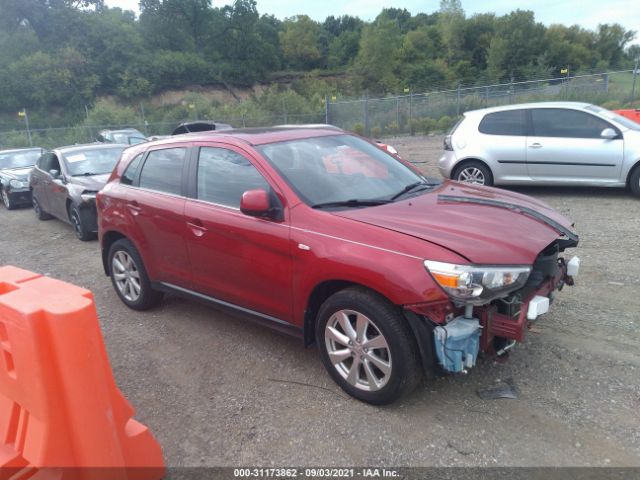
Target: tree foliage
{"points": [[62, 53]]}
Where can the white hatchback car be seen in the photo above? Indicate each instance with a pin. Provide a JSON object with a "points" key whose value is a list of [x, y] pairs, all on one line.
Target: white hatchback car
{"points": [[549, 143]]}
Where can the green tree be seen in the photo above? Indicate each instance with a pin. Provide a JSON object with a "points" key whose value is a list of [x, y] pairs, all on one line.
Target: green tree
{"points": [[299, 41]]}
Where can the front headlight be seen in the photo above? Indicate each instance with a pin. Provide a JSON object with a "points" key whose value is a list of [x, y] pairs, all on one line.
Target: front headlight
{"points": [[477, 284], [18, 184], [88, 196]]}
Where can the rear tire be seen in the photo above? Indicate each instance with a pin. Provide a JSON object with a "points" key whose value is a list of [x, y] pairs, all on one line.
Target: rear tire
{"points": [[367, 346], [634, 181], [129, 277], [475, 173], [40, 214]]}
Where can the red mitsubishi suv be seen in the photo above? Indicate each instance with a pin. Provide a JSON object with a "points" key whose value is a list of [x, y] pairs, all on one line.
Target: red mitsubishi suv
{"points": [[320, 233]]}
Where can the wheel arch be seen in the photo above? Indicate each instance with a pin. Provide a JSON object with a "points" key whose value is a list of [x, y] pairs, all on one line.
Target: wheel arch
{"points": [[465, 161], [632, 170], [108, 239]]}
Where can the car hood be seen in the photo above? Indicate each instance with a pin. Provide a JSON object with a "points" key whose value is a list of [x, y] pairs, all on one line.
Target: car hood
{"points": [[503, 228], [93, 182], [17, 173]]}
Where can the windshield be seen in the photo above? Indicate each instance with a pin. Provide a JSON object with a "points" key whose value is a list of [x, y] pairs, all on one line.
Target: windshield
{"points": [[628, 123], [19, 158], [131, 138], [341, 169], [92, 161]]}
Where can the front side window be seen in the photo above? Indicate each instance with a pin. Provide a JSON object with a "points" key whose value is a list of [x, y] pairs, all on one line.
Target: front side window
{"points": [[510, 122], [92, 161], [224, 175], [341, 169], [162, 171], [561, 122]]}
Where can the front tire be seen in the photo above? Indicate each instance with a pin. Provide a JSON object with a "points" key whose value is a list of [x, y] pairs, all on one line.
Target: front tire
{"points": [[79, 227], [129, 277], [6, 199], [367, 347], [475, 173]]}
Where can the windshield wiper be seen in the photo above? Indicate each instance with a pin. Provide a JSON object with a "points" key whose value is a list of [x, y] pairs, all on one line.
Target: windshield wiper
{"points": [[408, 188], [354, 202], [86, 174]]}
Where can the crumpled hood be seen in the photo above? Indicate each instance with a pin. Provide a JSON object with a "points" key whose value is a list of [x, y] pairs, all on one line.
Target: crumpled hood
{"points": [[93, 183], [21, 174], [484, 234]]}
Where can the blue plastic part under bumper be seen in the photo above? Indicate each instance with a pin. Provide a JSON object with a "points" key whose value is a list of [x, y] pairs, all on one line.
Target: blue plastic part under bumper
{"points": [[457, 344]]}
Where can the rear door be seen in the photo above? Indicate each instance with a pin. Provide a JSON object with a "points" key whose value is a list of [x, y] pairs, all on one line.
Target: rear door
{"points": [[155, 207], [504, 137], [565, 146], [236, 258]]}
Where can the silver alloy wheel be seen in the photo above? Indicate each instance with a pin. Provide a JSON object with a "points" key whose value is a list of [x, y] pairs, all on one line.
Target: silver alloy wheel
{"points": [[126, 275], [358, 350], [5, 199], [471, 175]]}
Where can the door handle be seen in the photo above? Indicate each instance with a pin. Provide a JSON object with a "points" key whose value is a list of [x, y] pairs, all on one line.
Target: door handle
{"points": [[134, 207], [197, 227], [535, 145]]}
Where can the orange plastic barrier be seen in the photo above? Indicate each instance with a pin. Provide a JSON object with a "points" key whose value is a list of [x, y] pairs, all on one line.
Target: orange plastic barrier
{"points": [[61, 413], [633, 114]]}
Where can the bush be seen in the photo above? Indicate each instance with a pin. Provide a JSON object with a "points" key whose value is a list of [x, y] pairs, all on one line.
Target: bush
{"points": [[358, 128], [376, 132], [445, 123], [392, 129]]}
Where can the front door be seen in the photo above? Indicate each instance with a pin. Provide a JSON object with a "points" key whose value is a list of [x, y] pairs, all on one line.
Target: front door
{"points": [[566, 146], [236, 258]]}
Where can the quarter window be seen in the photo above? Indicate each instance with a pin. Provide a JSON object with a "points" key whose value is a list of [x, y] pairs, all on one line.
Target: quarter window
{"points": [[559, 122], [130, 173], [224, 175], [509, 122], [162, 171]]}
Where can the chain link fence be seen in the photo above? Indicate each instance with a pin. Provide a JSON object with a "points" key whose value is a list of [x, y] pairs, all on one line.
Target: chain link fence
{"points": [[421, 113], [59, 136], [438, 110]]}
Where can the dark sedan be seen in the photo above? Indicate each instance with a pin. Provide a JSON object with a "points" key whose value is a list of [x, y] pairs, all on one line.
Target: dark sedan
{"points": [[65, 181], [15, 166]]}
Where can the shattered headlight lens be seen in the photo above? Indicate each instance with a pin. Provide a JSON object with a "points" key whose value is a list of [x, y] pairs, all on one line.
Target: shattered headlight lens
{"points": [[18, 184], [477, 284]]}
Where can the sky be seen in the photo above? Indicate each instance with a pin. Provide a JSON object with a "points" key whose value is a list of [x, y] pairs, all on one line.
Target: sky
{"points": [[586, 13]]}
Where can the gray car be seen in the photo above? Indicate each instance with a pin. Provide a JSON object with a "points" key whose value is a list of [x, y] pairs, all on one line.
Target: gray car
{"points": [[548, 143], [65, 181]]}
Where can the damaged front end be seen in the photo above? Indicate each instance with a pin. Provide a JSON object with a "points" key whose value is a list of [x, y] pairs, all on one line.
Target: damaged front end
{"points": [[490, 306]]}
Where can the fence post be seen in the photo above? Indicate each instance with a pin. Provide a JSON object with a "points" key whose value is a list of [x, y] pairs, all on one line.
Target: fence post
{"points": [[366, 114], [486, 94], [326, 109], [606, 82], [144, 120], [284, 112], [398, 112], [411, 112], [635, 76], [26, 120], [458, 101], [86, 111]]}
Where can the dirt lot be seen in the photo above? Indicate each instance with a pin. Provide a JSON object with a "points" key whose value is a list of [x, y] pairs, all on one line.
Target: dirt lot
{"points": [[219, 390]]}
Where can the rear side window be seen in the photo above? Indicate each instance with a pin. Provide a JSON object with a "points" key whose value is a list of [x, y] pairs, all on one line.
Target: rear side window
{"points": [[510, 122], [224, 175], [130, 173], [566, 123], [162, 171]]}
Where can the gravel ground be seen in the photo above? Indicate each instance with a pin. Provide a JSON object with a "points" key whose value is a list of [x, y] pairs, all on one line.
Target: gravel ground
{"points": [[217, 390]]}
